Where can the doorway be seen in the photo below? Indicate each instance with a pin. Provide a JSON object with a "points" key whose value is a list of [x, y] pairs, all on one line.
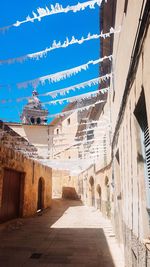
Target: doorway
{"points": [[92, 192], [41, 187], [12, 195], [98, 197]]}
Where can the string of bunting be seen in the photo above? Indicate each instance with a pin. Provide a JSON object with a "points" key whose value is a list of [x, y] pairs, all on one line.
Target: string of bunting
{"points": [[95, 128], [76, 138], [53, 10], [71, 99], [58, 76], [91, 122], [67, 90], [64, 113], [57, 45], [76, 98], [78, 143], [53, 94]]}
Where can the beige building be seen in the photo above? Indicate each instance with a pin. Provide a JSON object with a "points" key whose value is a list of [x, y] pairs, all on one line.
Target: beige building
{"points": [[130, 134], [76, 143], [39, 135], [64, 130]]}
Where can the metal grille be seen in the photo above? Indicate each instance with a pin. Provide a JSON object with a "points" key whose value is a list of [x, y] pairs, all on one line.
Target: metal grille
{"points": [[147, 155], [141, 116]]}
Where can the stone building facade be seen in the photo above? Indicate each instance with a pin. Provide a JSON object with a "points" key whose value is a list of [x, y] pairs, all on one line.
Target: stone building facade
{"points": [[25, 184], [130, 130], [122, 178], [73, 144]]}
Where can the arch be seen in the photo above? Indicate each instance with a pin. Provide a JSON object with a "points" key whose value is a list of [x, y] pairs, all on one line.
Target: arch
{"points": [[92, 191], [41, 189], [108, 203], [98, 189], [99, 192], [106, 180], [91, 181]]}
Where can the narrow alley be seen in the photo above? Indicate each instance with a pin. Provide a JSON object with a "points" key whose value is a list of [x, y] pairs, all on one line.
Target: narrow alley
{"points": [[68, 234], [75, 133]]}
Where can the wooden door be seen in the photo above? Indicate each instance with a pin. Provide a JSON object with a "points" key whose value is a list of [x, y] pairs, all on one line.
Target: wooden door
{"points": [[11, 192]]}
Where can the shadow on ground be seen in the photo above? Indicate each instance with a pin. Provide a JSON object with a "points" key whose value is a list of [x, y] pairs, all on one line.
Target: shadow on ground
{"points": [[69, 234]]}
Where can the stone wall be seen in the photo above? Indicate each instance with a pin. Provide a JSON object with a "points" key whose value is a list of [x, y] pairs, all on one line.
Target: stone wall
{"points": [[32, 171], [136, 252], [40, 136], [129, 204]]}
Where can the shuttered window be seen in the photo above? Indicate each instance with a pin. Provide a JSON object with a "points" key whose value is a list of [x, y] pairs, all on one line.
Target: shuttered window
{"points": [[141, 116]]}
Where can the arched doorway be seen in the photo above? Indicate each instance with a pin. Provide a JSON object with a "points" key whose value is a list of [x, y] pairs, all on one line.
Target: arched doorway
{"points": [[108, 206], [98, 189], [92, 192], [41, 187]]}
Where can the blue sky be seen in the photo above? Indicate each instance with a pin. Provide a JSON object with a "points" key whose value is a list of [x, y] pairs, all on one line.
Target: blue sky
{"points": [[33, 37]]}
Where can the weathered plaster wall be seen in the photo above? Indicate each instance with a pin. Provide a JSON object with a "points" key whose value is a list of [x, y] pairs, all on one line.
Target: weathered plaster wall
{"points": [[60, 179], [130, 216], [32, 171], [95, 189]]}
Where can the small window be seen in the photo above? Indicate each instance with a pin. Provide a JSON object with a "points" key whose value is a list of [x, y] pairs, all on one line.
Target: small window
{"points": [[57, 131], [90, 134], [125, 6], [38, 120], [32, 120], [68, 121]]}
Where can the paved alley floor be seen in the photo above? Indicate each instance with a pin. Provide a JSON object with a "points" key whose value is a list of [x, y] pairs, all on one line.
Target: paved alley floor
{"points": [[69, 234]]}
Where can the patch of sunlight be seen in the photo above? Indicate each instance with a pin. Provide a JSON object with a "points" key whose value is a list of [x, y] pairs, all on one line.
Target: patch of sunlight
{"points": [[79, 217]]}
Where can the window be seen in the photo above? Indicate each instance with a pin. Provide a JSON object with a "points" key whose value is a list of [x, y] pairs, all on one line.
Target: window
{"points": [[141, 116], [125, 6], [32, 120], [90, 134], [38, 120], [57, 131], [68, 121]]}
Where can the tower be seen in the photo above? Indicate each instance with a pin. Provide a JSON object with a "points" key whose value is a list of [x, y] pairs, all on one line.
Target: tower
{"points": [[33, 113]]}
